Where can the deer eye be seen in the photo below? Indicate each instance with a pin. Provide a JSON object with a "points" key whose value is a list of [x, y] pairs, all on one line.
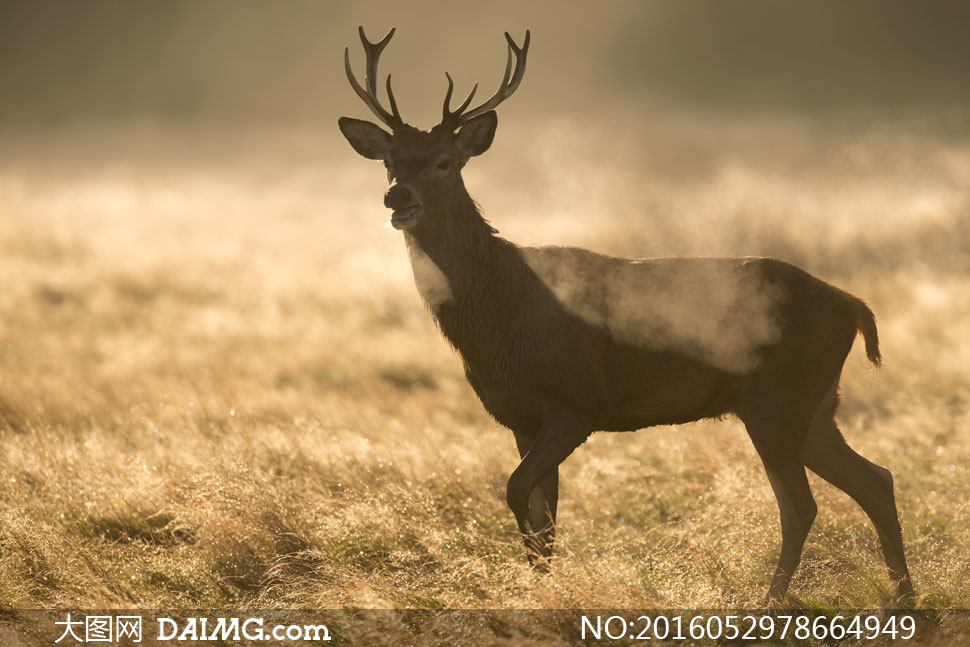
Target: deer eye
{"points": [[443, 165]]}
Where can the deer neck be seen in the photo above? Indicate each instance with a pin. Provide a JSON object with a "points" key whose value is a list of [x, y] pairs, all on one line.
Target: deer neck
{"points": [[460, 267]]}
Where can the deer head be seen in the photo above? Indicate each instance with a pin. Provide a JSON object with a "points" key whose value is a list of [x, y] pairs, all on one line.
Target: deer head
{"points": [[424, 167]]}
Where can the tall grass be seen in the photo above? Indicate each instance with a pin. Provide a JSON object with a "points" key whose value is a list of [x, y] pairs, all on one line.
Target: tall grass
{"points": [[219, 388]]}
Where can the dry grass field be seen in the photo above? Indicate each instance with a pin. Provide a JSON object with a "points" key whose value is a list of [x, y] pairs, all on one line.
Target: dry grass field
{"points": [[219, 387]]}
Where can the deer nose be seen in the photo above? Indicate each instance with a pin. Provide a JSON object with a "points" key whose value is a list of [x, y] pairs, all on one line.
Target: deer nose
{"points": [[397, 196]]}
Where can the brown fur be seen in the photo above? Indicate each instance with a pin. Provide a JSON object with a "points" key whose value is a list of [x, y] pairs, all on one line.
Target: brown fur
{"points": [[559, 342]]}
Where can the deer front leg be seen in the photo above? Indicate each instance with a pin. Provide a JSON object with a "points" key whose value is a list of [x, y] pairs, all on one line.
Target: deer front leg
{"points": [[542, 503], [542, 511], [533, 486]]}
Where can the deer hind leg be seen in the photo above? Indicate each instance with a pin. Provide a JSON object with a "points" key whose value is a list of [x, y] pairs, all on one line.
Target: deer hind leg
{"points": [[780, 451], [533, 486], [870, 485]]}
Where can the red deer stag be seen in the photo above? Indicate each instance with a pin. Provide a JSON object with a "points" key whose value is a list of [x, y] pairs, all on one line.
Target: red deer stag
{"points": [[559, 342]]}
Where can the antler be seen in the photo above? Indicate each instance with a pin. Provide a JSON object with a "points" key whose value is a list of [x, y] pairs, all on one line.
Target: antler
{"points": [[510, 82], [369, 96]]}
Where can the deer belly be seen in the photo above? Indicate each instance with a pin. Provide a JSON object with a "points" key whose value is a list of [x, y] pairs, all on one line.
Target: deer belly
{"points": [[651, 389]]}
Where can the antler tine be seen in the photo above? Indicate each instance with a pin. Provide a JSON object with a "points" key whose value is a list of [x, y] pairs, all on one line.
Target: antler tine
{"points": [[519, 52], [369, 95], [373, 51], [510, 80], [368, 100], [390, 98], [446, 113]]}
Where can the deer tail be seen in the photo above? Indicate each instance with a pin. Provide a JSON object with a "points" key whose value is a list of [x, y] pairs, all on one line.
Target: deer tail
{"points": [[866, 324]]}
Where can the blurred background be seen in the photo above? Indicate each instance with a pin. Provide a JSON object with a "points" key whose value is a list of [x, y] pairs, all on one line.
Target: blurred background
{"points": [[210, 341], [616, 97], [254, 63]]}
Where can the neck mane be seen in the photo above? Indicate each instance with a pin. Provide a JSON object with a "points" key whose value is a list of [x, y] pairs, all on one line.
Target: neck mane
{"points": [[460, 244], [463, 271]]}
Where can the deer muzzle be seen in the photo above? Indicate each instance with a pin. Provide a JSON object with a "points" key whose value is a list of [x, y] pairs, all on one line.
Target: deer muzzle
{"points": [[405, 206]]}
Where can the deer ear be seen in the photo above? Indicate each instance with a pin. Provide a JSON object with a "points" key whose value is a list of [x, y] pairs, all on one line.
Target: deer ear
{"points": [[368, 139], [475, 137]]}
